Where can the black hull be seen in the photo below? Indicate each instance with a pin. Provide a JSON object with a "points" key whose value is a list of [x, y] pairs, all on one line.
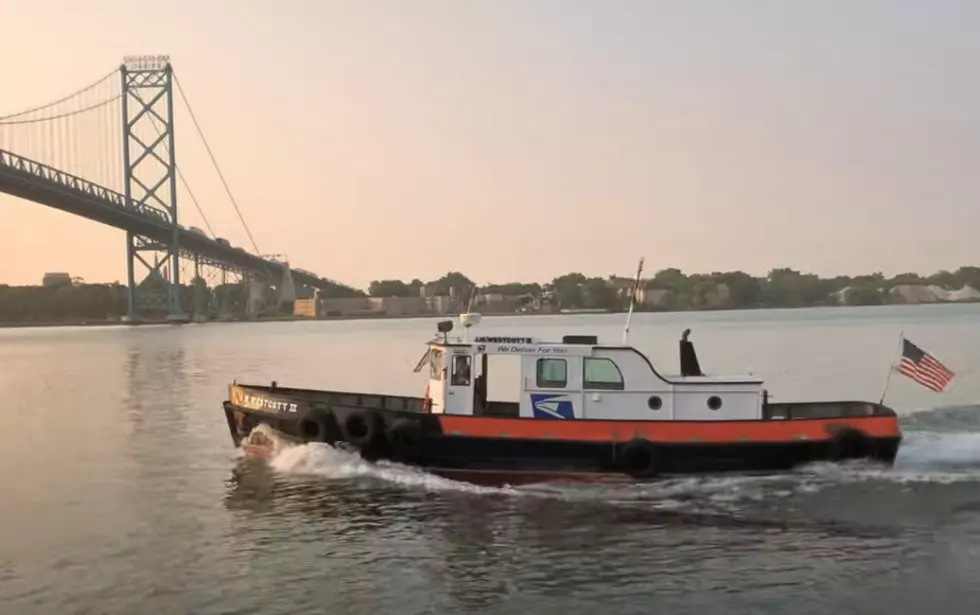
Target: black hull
{"points": [[418, 439]]}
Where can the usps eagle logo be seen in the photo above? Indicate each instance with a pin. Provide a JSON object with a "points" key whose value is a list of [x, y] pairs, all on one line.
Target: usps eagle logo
{"points": [[547, 406]]}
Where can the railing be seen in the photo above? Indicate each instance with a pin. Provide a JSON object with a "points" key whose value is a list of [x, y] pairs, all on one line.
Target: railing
{"points": [[33, 171], [42, 171]]}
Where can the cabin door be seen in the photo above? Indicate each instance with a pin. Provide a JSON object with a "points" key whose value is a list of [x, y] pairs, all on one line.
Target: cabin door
{"points": [[459, 385], [552, 388], [435, 389]]}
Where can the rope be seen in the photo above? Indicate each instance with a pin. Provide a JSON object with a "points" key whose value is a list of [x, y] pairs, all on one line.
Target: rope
{"points": [[60, 100]]}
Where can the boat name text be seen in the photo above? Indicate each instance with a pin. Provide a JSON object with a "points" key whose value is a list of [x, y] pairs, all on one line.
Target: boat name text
{"points": [[261, 403], [504, 340]]}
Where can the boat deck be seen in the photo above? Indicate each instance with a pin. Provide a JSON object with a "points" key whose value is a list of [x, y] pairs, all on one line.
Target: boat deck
{"points": [[324, 399]]}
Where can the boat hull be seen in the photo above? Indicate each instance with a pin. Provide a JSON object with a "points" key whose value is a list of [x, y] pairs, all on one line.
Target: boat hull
{"points": [[501, 449]]}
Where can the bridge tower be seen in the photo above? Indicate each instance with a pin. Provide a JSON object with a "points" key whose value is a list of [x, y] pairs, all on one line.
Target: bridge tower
{"points": [[150, 180]]}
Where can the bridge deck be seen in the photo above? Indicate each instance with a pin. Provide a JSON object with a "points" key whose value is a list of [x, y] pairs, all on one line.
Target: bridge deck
{"points": [[31, 180]]}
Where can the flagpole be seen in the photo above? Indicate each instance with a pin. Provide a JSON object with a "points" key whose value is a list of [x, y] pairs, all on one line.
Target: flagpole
{"points": [[635, 288], [891, 367]]}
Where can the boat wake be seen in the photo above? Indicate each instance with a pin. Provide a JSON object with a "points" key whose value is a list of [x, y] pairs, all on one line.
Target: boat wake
{"points": [[325, 461], [941, 447]]}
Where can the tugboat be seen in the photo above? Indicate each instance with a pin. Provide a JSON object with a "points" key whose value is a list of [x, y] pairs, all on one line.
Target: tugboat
{"points": [[586, 410]]}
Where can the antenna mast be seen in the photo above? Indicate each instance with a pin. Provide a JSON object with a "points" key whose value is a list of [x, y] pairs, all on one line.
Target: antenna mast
{"points": [[636, 287]]}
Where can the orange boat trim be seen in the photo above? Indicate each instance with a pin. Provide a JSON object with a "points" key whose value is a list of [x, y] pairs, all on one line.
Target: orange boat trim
{"points": [[666, 431]]}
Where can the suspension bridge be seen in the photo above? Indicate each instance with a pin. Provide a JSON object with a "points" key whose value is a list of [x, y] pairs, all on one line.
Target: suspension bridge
{"points": [[106, 153]]}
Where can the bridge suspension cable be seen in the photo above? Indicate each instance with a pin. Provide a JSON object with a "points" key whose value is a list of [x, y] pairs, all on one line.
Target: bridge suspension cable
{"points": [[79, 134], [87, 88], [215, 163], [183, 181], [190, 193], [5, 122]]}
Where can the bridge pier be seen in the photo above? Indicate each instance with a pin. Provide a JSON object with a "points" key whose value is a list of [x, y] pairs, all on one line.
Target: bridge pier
{"points": [[130, 279], [150, 183]]}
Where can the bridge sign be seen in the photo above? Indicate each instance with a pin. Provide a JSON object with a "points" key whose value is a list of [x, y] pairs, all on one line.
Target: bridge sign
{"points": [[146, 62]]}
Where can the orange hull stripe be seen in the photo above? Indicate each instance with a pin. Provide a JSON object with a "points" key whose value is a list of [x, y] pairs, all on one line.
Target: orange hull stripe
{"points": [[665, 431]]}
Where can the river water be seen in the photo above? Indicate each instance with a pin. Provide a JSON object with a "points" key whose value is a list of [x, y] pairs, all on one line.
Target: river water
{"points": [[122, 493]]}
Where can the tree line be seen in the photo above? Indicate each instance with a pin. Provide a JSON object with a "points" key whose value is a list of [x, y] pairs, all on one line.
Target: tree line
{"points": [[97, 303], [672, 290], [85, 302]]}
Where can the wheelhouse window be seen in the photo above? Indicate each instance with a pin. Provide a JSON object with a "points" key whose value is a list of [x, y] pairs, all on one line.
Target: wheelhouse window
{"points": [[435, 364], [552, 373], [462, 364], [602, 373]]}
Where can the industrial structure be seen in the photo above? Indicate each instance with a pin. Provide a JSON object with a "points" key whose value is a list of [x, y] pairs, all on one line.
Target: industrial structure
{"points": [[107, 153]]}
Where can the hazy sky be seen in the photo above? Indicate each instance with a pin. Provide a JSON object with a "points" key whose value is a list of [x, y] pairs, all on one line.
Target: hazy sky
{"points": [[522, 139]]}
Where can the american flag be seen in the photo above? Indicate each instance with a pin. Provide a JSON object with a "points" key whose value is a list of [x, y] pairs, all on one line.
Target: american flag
{"points": [[924, 368]]}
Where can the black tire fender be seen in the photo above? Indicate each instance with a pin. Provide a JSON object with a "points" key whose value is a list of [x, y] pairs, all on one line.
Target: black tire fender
{"points": [[405, 438], [362, 428], [851, 443], [314, 426], [640, 458]]}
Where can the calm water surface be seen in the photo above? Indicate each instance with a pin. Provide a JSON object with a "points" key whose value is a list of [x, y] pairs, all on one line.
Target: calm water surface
{"points": [[122, 493]]}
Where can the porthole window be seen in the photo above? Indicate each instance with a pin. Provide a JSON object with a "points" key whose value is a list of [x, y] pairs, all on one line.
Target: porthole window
{"points": [[655, 403], [714, 402]]}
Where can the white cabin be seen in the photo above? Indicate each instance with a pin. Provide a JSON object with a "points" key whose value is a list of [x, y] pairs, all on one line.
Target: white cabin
{"points": [[578, 378]]}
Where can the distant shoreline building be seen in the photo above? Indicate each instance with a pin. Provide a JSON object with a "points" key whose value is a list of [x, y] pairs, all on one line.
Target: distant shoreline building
{"points": [[55, 279]]}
